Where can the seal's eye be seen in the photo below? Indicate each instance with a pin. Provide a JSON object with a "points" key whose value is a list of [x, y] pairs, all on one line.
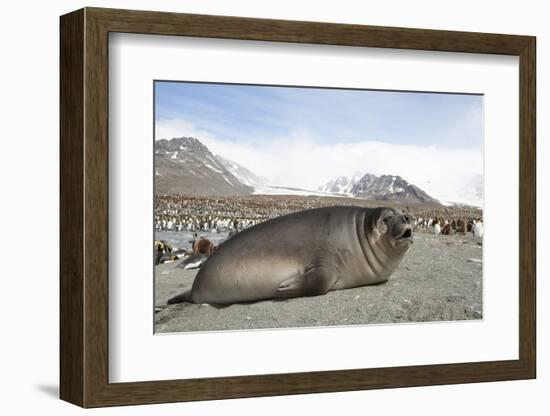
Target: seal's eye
{"points": [[387, 219]]}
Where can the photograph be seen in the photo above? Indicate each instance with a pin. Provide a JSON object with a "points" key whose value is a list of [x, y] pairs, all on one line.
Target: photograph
{"points": [[291, 206]]}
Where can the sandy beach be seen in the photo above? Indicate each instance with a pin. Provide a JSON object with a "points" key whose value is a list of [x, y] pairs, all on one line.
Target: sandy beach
{"points": [[440, 279]]}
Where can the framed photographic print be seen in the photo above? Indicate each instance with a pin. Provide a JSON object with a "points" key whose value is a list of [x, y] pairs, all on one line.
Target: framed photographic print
{"points": [[255, 207]]}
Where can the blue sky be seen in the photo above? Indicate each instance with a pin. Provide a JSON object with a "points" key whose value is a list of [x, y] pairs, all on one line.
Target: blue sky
{"points": [[264, 113]]}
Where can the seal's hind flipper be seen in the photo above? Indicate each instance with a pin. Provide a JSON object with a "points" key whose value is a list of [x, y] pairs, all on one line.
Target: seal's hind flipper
{"points": [[182, 297]]}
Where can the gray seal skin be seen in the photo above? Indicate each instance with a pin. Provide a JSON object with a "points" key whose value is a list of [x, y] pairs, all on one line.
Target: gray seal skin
{"points": [[306, 253]]}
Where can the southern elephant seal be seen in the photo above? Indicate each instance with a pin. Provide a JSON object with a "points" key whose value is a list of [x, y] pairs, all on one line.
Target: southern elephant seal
{"points": [[306, 253]]}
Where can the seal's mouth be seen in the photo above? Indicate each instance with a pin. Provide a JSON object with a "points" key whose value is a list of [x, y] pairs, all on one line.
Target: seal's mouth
{"points": [[406, 234]]}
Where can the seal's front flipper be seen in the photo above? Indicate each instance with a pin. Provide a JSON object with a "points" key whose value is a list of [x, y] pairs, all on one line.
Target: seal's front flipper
{"points": [[314, 282], [291, 288]]}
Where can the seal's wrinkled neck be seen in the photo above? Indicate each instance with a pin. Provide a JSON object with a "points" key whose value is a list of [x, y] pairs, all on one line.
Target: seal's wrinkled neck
{"points": [[374, 221]]}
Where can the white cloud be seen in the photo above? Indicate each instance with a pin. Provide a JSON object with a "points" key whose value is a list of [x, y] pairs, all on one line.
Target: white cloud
{"points": [[298, 160]]}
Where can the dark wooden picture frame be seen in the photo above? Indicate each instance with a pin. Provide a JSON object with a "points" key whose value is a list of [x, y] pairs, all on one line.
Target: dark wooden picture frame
{"points": [[84, 207]]}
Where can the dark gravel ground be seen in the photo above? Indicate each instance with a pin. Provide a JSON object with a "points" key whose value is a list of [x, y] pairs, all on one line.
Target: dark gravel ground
{"points": [[440, 279]]}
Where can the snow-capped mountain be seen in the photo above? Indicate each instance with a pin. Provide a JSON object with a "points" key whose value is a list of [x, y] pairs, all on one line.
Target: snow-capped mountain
{"points": [[244, 175], [341, 185], [185, 165], [389, 187], [381, 188]]}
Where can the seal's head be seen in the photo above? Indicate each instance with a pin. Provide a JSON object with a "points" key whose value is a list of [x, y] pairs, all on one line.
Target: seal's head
{"points": [[395, 226]]}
